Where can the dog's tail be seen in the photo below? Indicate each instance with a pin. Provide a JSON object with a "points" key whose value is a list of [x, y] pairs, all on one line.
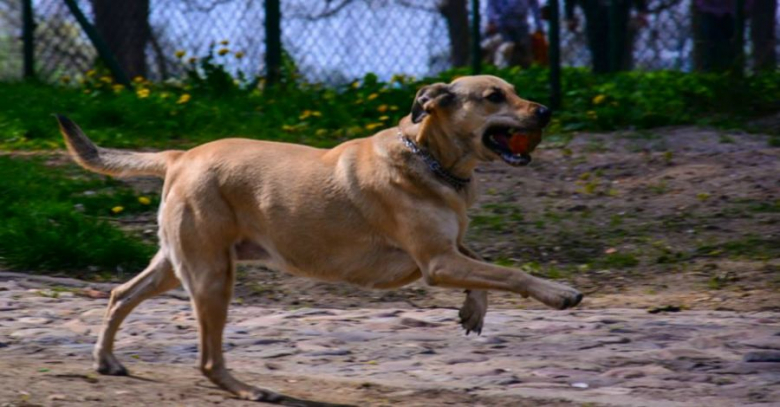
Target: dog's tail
{"points": [[113, 162]]}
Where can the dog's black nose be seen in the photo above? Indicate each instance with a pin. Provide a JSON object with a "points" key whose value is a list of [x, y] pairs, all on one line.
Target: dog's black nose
{"points": [[543, 114]]}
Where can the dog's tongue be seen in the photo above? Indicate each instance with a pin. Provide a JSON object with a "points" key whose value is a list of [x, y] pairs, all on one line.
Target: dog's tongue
{"points": [[518, 143]]}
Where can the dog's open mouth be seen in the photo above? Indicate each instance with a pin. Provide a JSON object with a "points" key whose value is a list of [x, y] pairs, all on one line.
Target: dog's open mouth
{"points": [[512, 144]]}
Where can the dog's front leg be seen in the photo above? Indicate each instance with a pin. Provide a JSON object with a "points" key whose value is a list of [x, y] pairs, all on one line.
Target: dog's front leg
{"points": [[472, 313], [450, 268]]}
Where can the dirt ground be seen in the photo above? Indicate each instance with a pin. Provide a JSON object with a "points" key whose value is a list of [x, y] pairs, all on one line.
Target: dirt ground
{"points": [[670, 219]]}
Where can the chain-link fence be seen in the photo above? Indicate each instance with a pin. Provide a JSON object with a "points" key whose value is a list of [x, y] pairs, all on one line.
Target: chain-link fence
{"points": [[331, 41]]}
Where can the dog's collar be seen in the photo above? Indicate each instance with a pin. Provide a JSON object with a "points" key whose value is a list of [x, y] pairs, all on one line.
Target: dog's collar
{"points": [[433, 164]]}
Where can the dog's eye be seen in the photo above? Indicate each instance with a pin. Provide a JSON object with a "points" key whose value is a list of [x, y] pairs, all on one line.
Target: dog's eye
{"points": [[496, 97]]}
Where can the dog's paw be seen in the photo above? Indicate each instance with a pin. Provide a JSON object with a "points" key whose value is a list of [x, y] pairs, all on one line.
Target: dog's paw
{"points": [[110, 369], [558, 296], [472, 313], [268, 396]]}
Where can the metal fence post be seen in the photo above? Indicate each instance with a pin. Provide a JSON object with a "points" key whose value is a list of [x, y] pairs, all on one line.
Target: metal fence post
{"points": [[614, 37], [103, 51], [273, 41], [476, 40], [555, 55], [28, 39]]}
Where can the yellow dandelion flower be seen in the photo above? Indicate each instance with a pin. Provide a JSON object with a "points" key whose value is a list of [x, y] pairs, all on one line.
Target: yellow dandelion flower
{"points": [[117, 209], [143, 200], [381, 108], [184, 98], [106, 79], [91, 73], [599, 99], [373, 96], [224, 42], [138, 79], [65, 79], [118, 88], [384, 118], [142, 93], [316, 113], [239, 55], [180, 53], [355, 85], [372, 126], [304, 115], [223, 51]]}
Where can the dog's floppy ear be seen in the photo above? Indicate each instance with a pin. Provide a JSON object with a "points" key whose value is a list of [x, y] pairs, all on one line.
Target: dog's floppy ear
{"points": [[430, 97]]}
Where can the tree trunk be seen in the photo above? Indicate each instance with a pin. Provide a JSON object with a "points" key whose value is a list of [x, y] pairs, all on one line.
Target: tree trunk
{"points": [[762, 34], [456, 14], [124, 27]]}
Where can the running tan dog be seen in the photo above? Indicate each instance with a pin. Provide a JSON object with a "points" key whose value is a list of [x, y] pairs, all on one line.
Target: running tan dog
{"points": [[378, 212]]}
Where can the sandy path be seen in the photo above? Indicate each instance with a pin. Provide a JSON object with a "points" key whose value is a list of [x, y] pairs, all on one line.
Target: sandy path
{"points": [[390, 356]]}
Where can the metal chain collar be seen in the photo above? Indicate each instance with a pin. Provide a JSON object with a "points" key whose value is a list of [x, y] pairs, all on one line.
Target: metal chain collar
{"points": [[434, 165]]}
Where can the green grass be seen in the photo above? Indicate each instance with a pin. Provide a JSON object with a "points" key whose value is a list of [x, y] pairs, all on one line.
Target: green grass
{"points": [[748, 247], [498, 217], [52, 222], [156, 115], [618, 260]]}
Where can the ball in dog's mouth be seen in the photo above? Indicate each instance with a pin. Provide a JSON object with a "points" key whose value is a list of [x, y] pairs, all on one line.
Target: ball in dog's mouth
{"points": [[512, 144]]}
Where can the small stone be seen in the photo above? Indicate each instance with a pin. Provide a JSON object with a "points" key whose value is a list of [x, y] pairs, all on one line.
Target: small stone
{"points": [[464, 359], [275, 353], [580, 385], [762, 357], [509, 380], [416, 323], [357, 336], [613, 340], [268, 341], [308, 312], [329, 352]]}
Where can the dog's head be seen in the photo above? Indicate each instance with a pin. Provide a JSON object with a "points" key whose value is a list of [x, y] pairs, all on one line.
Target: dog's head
{"points": [[482, 116]]}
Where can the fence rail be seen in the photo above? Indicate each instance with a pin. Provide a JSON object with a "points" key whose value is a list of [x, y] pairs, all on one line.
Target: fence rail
{"points": [[331, 41]]}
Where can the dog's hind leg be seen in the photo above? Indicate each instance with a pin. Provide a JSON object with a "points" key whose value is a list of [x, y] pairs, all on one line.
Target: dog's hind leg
{"points": [[209, 277], [157, 278]]}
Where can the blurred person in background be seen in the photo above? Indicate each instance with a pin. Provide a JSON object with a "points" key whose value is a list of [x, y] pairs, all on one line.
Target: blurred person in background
{"points": [[601, 41], [509, 39]]}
